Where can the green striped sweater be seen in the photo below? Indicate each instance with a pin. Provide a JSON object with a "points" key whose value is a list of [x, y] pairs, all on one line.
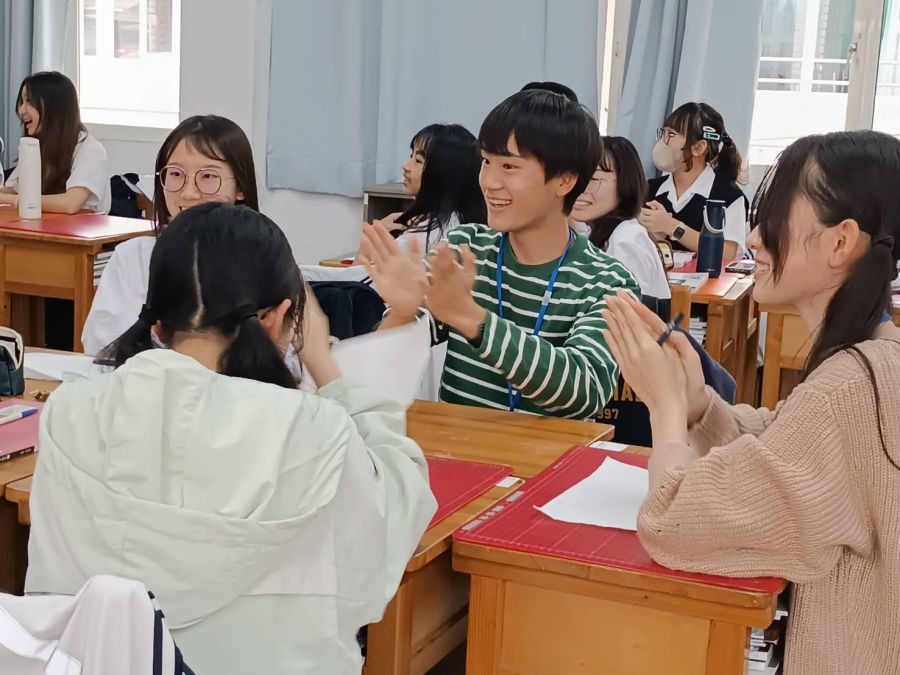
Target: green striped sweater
{"points": [[566, 371]]}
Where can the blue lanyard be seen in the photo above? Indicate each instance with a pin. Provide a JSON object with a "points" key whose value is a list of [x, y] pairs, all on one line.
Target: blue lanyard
{"points": [[516, 397]]}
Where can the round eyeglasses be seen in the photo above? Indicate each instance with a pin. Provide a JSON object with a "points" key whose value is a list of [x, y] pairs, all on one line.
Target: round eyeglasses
{"points": [[208, 181]]}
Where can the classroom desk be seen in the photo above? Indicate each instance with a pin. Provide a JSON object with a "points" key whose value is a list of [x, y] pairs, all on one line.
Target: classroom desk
{"points": [[732, 334], [53, 257], [533, 614], [428, 617], [788, 345], [13, 537]]}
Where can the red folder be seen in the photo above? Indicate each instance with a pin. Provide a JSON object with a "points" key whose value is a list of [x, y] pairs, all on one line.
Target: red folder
{"points": [[516, 524], [455, 483], [21, 436]]}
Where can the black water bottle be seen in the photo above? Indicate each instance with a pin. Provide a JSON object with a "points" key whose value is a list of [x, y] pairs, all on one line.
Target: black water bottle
{"points": [[712, 238]]}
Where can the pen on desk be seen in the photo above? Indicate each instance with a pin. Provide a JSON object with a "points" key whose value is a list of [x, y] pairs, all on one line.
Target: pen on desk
{"points": [[672, 325]]}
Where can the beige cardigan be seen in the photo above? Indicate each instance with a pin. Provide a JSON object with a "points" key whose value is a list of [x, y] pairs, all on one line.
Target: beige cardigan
{"points": [[804, 493]]}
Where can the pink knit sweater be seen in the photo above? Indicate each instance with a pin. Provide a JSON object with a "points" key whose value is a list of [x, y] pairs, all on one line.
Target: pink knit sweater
{"points": [[805, 494]]}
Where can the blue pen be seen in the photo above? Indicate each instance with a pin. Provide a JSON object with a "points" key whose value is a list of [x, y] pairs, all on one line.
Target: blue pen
{"points": [[19, 414]]}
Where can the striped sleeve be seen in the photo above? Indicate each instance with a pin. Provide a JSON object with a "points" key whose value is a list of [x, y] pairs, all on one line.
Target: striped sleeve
{"points": [[575, 379]]}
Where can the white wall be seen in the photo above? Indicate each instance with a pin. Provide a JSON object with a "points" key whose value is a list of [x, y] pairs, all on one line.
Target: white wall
{"points": [[225, 70]]}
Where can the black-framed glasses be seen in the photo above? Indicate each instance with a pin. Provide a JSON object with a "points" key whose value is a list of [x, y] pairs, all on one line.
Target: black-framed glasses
{"points": [[665, 135], [208, 181]]}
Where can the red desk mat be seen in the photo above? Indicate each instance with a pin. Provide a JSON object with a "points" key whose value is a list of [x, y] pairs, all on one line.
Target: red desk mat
{"points": [[80, 225], [515, 524], [21, 434], [455, 483]]}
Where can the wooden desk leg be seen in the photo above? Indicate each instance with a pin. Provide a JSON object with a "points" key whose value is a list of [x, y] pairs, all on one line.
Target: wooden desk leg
{"points": [[5, 298], [485, 626], [715, 331], [725, 655], [771, 378], [14, 556], [389, 647], [84, 295]]}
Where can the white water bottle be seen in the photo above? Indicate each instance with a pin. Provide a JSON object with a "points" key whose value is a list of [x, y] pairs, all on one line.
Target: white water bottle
{"points": [[29, 175]]}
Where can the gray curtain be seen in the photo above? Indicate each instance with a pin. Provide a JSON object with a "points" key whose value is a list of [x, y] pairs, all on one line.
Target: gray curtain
{"points": [[32, 38], [689, 50], [351, 81]]}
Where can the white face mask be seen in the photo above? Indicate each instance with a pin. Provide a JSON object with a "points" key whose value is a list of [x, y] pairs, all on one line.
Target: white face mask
{"points": [[667, 158]]}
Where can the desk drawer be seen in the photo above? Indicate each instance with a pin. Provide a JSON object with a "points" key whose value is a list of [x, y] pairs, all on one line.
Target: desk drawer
{"points": [[39, 267]]}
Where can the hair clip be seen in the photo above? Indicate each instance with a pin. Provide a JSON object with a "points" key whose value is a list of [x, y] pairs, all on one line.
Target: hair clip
{"points": [[710, 134]]}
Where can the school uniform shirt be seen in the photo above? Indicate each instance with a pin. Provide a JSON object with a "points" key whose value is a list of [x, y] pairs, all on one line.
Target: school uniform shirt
{"points": [[426, 243], [565, 371], [88, 171], [690, 207], [120, 294], [270, 523], [631, 245]]}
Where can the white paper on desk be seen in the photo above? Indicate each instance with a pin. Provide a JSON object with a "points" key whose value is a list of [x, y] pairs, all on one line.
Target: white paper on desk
{"points": [[59, 367], [682, 258], [390, 361], [609, 497]]}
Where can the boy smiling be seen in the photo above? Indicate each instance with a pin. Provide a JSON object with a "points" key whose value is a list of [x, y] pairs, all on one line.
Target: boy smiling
{"points": [[523, 305]]}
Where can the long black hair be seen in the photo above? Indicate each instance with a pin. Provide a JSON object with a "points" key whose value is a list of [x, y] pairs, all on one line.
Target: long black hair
{"points": [[213, 269], [845, 175], [217, 138], [54, 96], [449, 180], [699, 122], [619, 156]]}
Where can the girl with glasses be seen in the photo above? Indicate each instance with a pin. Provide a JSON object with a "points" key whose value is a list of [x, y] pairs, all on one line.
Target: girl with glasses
{"points": [[700, 162], [206, 158], [73, 163], [610, 206]]}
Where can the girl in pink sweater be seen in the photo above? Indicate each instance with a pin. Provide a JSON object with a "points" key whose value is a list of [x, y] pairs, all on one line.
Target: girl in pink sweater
{"points": [[811, 491]]}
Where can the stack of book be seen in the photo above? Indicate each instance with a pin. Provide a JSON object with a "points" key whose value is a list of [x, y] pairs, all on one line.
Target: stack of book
{"points": [[100, 261], [697, 329], [766, 652]]}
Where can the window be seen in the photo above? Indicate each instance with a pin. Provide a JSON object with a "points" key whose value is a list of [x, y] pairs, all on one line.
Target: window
{"points": [[128, 61], [803, 73], [826, 65]]}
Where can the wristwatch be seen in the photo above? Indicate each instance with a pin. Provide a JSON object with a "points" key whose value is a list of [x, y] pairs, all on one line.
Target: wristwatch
{"points": [[677, 233]]}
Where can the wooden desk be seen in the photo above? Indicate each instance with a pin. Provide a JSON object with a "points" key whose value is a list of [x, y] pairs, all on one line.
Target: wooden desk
{"points": [[546, 616], [732, 335], [54, 258], [428, 617], [540, 615], [383, 200], [788, 344]]}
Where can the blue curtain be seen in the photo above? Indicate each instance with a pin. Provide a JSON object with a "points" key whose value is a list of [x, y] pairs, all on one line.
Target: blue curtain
{"points": [[32, 38], [351, 81], [689, 50]]}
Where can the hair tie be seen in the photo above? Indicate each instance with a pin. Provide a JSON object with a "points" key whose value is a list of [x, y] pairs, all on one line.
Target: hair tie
{"points": [[147, 316], [885, 240], [244, 312]]}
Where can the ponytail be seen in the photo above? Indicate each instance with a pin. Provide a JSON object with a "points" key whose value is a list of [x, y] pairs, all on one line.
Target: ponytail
{"points": [[252, 354], [858, 306], [133, 341], [727, 161]]}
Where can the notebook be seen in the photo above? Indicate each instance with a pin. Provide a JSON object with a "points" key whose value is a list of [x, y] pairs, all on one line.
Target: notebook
{"points": [[21, 436]]}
